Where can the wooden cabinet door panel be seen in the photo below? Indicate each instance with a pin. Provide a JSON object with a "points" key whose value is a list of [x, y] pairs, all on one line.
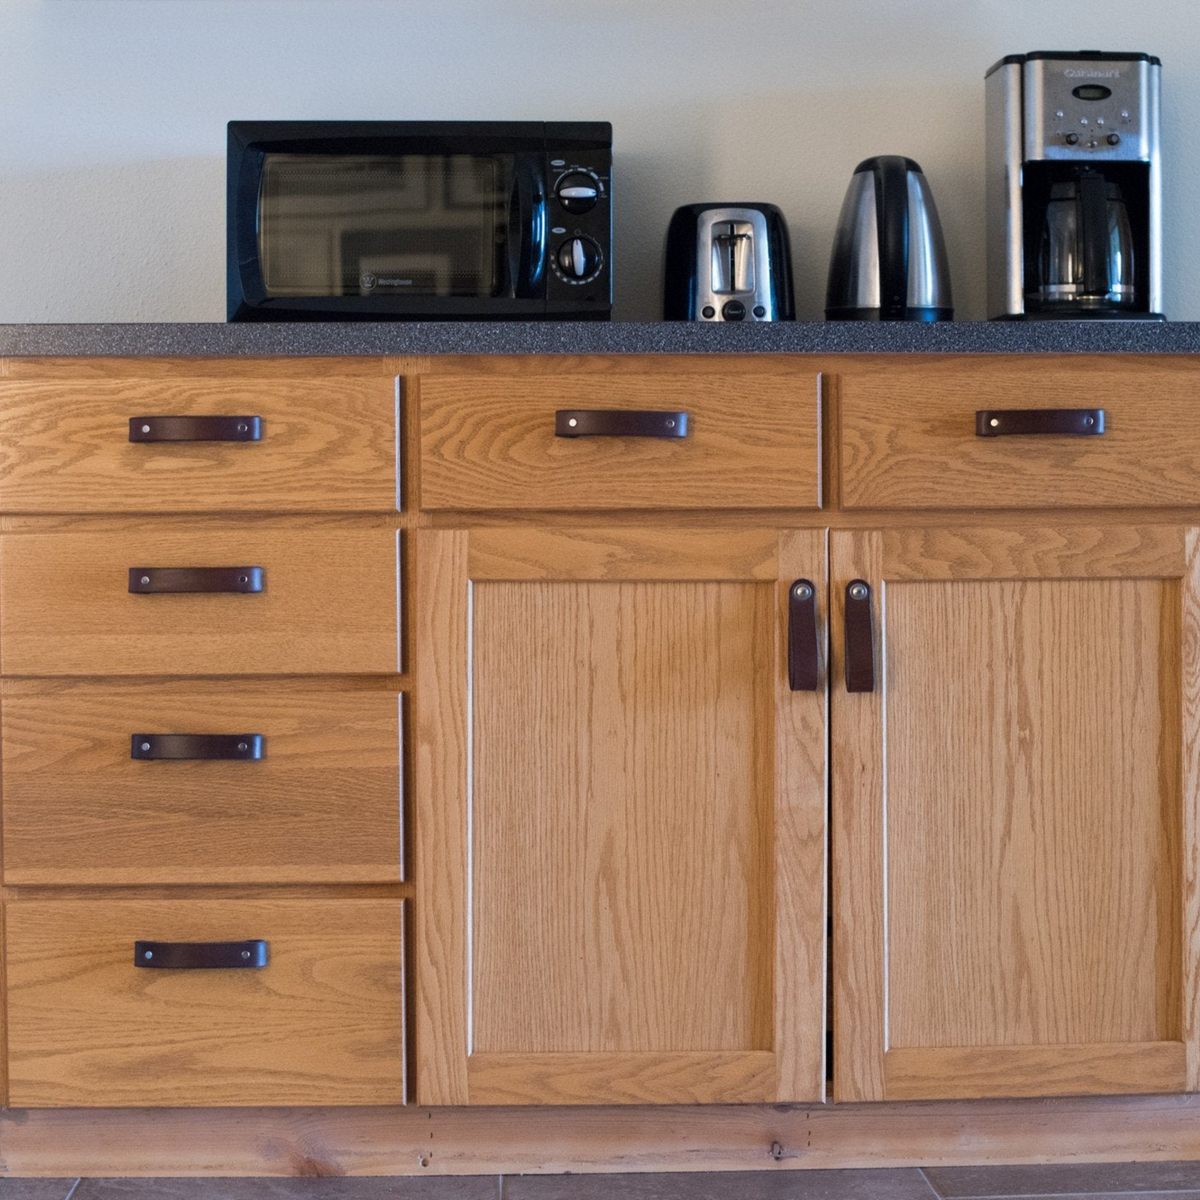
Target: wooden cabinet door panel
{"points": [[1014, 914], [329, 603], [620, 819], [321, 1023], [322, 805]]}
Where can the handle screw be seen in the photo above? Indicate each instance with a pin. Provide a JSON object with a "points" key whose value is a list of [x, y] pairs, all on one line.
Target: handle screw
{"points": [[242, 427], [245, 953], [145, 580], [145, 745], [802, 591], [149, 954], [243, 747], [572, 422], [145, 428], [994, 422], [858, 591]]}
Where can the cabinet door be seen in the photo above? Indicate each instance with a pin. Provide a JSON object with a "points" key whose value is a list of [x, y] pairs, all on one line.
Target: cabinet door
{"points": [[620, 819], [1015, 826]]}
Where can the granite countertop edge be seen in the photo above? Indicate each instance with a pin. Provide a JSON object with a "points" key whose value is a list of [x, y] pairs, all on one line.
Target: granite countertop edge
{"points": [[204, 340]]}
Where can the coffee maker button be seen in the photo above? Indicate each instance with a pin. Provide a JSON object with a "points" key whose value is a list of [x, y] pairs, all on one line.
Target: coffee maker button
{"points": [[709, 311], [759, 311], [734, 310], [1071, 139], [1114, 139]]}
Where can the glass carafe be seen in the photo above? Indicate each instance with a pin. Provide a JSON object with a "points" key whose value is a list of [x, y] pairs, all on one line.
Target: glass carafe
{"points": [[1086, 254]]}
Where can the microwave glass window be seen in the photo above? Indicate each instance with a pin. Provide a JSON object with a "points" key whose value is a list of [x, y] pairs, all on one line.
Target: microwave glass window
{"points": [[364, 225]]}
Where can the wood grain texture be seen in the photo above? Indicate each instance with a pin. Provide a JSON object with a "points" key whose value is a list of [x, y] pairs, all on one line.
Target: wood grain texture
{"points": [[857, 836], [1033, 811], [329, 603], [801, 836], [1023, 551], [695, 1077], [621, 815], [323, 1020], [328, 444], [581, 1140], [612, 554], [323, 805], [1025, 815], [634, 864], [441, 771], [1189, 826], [908, 434], [487, 441], [973, 1072]]}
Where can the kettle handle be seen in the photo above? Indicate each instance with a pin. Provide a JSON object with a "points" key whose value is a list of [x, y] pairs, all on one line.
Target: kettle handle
{"points": [[891, 207], [1093, 227]]}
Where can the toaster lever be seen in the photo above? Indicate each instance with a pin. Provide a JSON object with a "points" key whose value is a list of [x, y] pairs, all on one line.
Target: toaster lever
{"points": [[732, 257]]}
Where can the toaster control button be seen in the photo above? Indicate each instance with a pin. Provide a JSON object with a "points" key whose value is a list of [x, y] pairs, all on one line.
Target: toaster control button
{"points": [[577, 192], [708, 311], [579, 258], [759, 311], [734, 310]]}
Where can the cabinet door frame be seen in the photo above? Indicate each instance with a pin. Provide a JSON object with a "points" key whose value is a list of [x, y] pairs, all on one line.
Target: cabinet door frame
{"points": [[866, 1068], [448, 1072]]}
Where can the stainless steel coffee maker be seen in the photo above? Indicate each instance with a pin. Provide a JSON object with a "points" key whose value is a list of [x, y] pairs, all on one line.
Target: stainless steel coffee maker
{"points": [[1074, 221]]}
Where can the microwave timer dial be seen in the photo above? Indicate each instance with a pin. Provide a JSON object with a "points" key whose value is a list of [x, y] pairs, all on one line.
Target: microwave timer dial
{"points": [[578, 190], [579, 260]]}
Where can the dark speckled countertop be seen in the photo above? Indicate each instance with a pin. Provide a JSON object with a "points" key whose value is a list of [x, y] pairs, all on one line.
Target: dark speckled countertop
{"points": [[556, 337]]}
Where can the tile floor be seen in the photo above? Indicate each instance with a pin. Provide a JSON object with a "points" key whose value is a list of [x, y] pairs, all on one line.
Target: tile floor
{"points": [[1087, 1181]]}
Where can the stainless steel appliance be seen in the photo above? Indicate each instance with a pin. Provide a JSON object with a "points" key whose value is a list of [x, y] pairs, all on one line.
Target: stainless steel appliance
{"points": [[728, 262], [889, 257], [405, 220], [1074, 186]]}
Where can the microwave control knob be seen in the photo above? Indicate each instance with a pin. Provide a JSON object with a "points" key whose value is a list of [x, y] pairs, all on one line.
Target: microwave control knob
{"points": [[579, 258], [577, 192]]}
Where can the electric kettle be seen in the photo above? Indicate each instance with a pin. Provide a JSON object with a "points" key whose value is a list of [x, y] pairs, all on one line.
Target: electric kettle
{"points": [[889, 257]]}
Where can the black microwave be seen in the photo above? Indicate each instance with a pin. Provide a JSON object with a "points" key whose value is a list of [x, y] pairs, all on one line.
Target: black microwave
{"points": [[408, 220]]}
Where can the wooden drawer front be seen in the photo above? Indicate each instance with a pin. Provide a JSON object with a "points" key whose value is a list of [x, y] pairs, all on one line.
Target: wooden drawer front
{"points": [[328, 604], [488, 441], [327, 445], [321, 806], [908, 435], [321, 1023]]}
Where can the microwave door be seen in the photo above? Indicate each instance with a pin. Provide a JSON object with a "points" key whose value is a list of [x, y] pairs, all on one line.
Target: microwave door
{"points": [[527, 227]]}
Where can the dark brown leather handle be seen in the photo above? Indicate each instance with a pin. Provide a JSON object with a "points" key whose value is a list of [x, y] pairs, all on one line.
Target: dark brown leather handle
{"points": [[150, 581], [618, 422], [803, 664], [185, 747], [1077, 422], [201, 956], [195, 429], [860, 638]]}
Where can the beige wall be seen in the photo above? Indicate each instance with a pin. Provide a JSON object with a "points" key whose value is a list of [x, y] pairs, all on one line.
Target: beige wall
{"points": [[112, 119]]}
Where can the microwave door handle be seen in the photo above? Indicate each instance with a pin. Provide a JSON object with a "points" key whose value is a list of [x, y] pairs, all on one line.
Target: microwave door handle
{"points": [[527, 227]]}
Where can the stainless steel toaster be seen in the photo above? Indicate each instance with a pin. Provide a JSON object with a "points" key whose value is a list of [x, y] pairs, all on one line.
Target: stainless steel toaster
{"points": [[728, 262]]}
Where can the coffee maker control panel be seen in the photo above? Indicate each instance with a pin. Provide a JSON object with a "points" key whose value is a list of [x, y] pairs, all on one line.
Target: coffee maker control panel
{"points": [[1076, 107]]}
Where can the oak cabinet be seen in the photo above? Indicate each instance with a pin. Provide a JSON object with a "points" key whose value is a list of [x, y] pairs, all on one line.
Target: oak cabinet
{"points": [[620, 819], [490, 439], [321, 1022], [1015, 814]]}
